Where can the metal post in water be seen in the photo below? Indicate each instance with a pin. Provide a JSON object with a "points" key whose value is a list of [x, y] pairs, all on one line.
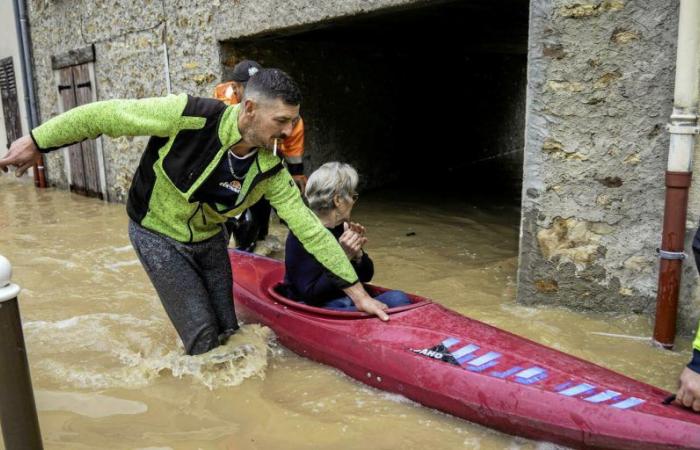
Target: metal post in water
{"points": [[20, 424]]}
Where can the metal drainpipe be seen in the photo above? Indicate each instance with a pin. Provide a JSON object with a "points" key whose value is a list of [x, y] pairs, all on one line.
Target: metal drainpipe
{"points": [[682, 128], [25, 41]]}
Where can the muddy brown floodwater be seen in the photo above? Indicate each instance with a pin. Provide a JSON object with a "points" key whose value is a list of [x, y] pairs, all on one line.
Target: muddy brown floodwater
{"points": [[109, 371]]}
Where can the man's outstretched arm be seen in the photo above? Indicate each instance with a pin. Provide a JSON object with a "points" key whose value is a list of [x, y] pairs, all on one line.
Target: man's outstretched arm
{"points": [[159, 116]]}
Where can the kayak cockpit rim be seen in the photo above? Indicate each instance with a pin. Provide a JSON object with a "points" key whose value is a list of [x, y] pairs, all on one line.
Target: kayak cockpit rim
{"points": [[275, 296]]}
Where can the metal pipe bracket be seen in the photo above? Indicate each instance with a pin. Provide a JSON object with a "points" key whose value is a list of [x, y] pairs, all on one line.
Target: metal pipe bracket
{"points": [[682, 129], [664, 254]]}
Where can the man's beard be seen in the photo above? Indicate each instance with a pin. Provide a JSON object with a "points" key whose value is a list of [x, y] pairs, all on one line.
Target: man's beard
{"points": [[253, 137]]}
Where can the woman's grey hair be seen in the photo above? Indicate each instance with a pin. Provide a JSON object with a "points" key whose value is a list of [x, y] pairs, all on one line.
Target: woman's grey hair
{"points": [[329, 180]]}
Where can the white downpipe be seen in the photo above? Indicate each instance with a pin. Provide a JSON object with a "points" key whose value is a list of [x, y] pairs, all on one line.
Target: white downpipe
{"points": [[683, 125]]}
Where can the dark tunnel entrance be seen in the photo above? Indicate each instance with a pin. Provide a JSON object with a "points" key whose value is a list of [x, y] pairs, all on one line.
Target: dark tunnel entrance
{"points": [[430, 97]]}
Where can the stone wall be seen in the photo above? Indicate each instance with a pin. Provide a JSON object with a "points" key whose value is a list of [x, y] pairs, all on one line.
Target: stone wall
{"points": [[129, 62], [600, 91]]}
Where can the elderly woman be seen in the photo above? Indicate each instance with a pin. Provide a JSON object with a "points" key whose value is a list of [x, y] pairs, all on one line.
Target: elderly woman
{"points": [[331, 194]]}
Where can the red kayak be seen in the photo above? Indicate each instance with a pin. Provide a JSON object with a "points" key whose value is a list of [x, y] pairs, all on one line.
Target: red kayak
{"points": [[466, 368]]}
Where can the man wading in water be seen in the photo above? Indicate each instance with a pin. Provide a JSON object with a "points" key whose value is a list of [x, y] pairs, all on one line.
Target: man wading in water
{"points": [[205, 162]]}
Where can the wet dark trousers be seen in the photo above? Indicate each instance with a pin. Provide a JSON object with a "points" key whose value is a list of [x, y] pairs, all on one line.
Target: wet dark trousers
{"points": [[194, 284]]}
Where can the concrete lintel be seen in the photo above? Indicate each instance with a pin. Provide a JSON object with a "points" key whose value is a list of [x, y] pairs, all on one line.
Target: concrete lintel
{"points": [[247, 22], [73, 57]]}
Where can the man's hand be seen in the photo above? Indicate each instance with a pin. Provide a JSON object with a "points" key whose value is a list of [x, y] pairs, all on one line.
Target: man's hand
{"points": [[363, 302], [689, 391], [372, 306], [22, 155], [351, 241]]}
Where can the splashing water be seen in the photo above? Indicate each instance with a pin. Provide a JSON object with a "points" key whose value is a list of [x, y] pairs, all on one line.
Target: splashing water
{"points": [[128, 352]]}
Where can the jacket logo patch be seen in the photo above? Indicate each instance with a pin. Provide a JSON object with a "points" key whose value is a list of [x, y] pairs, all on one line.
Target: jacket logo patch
{"points": [[233, 186]]}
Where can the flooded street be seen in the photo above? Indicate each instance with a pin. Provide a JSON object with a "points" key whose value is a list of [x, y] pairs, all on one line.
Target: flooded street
{"points": [[109, 371]]}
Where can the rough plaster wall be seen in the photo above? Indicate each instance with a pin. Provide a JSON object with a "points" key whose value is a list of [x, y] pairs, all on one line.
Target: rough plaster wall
{"points": [[103, 20], [600, 83], [192, 48], [142, 53], [128, 63], [254, 17]]}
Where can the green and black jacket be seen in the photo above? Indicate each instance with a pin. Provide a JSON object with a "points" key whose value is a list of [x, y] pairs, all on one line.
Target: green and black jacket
{"points": [[189, 137]]}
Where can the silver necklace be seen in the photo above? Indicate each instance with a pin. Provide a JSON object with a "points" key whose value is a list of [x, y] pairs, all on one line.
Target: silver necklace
{"points": [[230, 168]]}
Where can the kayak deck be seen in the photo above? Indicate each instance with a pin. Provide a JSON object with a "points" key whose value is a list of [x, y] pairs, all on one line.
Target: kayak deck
{"points": [[469, 369]]}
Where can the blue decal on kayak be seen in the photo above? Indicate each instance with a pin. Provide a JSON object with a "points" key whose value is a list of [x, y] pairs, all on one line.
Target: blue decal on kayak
{"points": [[531, 375], [449, 342], [628, 403], [603, 397], [482, 367], [465, 357], [506, 373], [563, 386], [577, 390], [484, 362], [464, 351]]}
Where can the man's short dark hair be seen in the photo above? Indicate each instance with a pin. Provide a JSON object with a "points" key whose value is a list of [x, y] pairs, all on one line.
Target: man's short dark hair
{"points": [[273, 83]]}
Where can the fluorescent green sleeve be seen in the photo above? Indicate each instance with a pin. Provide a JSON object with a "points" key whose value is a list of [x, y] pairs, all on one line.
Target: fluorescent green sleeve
{"points": [[158, 116], [284, 196], [696, 342]]}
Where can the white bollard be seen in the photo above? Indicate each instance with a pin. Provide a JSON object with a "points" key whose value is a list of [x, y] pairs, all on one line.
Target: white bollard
{"points": [[8, 290], [18, 417]]}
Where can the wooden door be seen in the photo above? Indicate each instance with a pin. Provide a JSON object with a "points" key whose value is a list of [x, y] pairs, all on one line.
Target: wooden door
{"points": [[75, 90]]}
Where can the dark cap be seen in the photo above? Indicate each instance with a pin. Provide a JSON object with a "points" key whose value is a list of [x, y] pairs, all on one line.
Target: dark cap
{"points": [[244, 70]]}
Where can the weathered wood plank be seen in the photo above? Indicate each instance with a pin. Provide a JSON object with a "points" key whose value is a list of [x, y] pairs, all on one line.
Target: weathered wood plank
{"points": [[66, 90], [83, 95]]}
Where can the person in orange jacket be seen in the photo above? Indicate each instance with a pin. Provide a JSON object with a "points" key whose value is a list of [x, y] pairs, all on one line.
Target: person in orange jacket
{"points": [[254, 224]]}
